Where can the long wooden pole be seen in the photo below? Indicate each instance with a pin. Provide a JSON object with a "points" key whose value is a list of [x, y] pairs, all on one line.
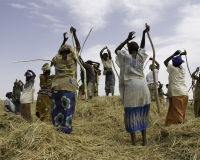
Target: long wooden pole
{"points": [[154, 75], [86, 40], [115, 69], [84, 71]]}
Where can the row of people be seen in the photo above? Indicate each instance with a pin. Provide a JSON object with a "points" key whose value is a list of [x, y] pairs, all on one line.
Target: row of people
{"points": [[57, 99]]}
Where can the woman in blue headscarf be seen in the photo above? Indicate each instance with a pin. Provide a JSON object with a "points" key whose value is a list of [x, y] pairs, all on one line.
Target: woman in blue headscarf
{"points": [[177, 89]]}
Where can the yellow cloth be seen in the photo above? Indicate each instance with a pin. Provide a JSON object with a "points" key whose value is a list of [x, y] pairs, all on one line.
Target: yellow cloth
{"points": [[65, 71]]}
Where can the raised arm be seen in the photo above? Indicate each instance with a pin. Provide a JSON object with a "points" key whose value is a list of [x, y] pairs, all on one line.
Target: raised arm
{"points": [[194, 73], [34, 75], [101, 52], [130, 37], [78, 46], [64, 39], [157, 64], [21, 82], [142, 44], [96, 63], [170, 57], [109, 53]]}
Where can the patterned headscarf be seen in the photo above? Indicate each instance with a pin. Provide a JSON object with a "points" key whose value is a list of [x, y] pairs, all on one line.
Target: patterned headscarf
{"points": [[46, 67], [177, 61], [66, 47]]}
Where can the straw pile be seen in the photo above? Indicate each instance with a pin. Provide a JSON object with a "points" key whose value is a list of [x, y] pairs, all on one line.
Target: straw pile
{"points": [[98, 134]]}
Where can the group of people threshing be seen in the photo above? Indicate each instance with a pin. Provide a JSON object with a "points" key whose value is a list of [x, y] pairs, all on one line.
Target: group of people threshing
{"points": [[56, 99]]}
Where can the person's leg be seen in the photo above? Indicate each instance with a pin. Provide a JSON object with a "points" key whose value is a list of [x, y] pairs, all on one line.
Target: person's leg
{"points": [[144, 137], [133, 138], [89, 88], [107, 93]]}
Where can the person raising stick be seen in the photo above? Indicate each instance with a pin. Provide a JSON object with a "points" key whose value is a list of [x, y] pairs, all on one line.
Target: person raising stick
{"points": [[133, 86], [108, 72], [177, 89], [64, 85], [196, 93]]}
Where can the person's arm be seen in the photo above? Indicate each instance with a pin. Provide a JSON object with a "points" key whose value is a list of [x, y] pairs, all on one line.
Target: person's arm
{"points": [[101, 52], [78, 46], [32, 73], [22, 84], [157, 64], [82, 62], [130, 37], [170, 57], [109, 53], [194, 73], [142, 44], [64, 39]]}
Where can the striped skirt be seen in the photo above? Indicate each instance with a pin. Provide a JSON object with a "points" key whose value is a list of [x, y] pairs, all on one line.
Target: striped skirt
{"points": [[63, 107], [136, 118]]}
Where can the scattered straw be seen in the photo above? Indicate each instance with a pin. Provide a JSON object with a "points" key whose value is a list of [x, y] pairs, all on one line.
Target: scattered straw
{"points": [[98, 134]]}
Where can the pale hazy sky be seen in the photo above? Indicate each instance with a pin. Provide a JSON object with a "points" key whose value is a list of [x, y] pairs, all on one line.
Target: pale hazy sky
{"points": [[33, 29]]}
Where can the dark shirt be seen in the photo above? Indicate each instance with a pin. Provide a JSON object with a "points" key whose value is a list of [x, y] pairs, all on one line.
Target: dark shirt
{"points": [[89, 72]]}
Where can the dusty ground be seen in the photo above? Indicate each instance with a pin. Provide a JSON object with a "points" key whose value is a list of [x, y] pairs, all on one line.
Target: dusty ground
{"points": [[98, 134]]}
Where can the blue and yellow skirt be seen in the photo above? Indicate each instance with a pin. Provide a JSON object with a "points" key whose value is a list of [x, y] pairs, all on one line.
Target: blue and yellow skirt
{"points": [[63, 107], [136, 118]]}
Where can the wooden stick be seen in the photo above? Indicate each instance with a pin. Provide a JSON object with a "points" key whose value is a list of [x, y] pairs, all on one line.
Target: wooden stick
{"points": [[84, 71], [188, 65], [85, 40], [32, 60], [115, 69], [154, 75]]}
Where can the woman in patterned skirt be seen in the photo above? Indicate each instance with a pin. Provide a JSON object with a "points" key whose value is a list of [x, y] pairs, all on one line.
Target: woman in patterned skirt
{"points": [[43, 105], [64, 85]]}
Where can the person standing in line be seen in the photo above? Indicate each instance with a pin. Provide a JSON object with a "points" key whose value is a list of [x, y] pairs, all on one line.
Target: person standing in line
{"points": [[43, 105], [90, 74], [64, 85], [150, 80], [108, 71], [133, 86], [27, 96], [17, 89], [177, 89], [196, 93]]}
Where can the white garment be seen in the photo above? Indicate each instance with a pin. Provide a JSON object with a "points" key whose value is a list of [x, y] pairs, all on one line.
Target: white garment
{"points": [[177, 86], [108, 63], [27, 95], [149, 77], [132, 84], [8, 102]]}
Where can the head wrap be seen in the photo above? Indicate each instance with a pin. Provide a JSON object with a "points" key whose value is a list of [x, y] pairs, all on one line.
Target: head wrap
{"points": [[132, 45], [66, 47], [177, 61], [8, 94], [46, 67]]}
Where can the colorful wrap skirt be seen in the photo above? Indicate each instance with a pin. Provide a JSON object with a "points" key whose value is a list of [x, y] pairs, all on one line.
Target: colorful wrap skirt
{"points": [[152, 92], [136, 118], [109, 80], [63, 107], [43, 106]]}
